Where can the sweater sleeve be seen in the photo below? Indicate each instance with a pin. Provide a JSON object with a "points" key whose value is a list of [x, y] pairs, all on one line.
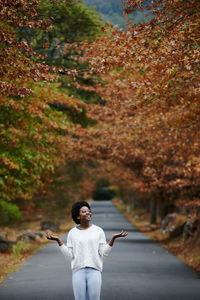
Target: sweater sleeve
{"points": [[67, 250], [104, 248]]}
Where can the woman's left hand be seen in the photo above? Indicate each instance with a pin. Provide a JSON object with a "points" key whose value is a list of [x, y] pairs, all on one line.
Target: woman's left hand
{"points": [[117, 235], [121, 234]]}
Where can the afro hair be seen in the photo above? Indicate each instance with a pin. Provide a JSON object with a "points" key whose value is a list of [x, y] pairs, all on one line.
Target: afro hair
{"points": [[76, 210]]}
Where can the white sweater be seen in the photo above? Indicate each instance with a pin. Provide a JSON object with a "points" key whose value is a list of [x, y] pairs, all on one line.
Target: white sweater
{"points": [[86, 248]]}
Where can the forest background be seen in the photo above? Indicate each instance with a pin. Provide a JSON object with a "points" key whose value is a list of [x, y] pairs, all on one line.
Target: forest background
{"points": [[86, 104]]}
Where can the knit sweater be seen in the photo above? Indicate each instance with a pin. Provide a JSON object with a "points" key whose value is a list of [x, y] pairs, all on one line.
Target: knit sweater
{"points": [[86, 248]]}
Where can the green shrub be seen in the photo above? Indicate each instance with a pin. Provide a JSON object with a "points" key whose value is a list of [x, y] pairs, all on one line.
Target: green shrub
{"points": [[9, 212], [16, 250], [103, 194]]}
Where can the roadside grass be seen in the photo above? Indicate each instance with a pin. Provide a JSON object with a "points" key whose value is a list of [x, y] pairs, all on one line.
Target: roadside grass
{"points": [[188, 251]]}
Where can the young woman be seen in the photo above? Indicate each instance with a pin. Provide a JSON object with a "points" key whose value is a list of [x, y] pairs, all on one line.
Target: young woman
{"points": [[86, 246]]}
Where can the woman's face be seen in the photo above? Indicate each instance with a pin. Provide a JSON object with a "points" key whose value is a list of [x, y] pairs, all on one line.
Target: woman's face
{"points": [[85, 214]]}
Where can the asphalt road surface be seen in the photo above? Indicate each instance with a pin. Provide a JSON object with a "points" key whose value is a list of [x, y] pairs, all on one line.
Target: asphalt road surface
{"points": [[136, 269]]}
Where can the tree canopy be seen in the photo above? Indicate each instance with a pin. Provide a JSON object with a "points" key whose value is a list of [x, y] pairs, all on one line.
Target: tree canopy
{"points": [[141, 129]]}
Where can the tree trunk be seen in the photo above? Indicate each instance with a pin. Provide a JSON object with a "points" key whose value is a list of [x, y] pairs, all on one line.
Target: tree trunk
{"points": [[162, 207], [132, 204], [153, 210]]}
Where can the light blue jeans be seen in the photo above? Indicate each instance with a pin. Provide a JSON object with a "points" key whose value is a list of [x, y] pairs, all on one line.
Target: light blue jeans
{"points": [[86, 281]]}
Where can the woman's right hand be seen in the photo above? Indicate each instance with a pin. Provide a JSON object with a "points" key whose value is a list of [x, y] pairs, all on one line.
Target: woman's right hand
{"points": [[52, 237]]}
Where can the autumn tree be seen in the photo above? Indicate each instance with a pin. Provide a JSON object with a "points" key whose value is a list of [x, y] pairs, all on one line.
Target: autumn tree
{"points": [[33, 134]]}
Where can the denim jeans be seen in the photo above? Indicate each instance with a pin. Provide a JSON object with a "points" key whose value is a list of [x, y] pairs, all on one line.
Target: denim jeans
{"points": [[86, 281]]}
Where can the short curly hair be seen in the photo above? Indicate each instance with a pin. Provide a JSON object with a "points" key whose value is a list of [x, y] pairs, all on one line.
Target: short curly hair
{"points": [[76, 210]]}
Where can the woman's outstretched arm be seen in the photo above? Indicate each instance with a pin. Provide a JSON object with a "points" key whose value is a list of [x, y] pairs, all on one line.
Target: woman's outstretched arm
{"points": [[117, 235], [65, 249]]}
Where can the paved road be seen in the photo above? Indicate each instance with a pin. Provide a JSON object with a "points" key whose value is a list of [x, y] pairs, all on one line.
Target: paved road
{"points": [[137, 269]]}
